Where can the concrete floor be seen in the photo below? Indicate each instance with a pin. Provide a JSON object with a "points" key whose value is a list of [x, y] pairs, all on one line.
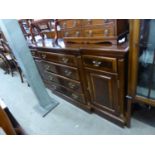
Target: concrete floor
{"points": [[64, 119]]}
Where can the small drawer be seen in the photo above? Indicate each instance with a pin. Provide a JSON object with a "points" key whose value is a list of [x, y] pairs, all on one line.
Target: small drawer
{"points": [[101, 63], [68, 83], [70, 23], [71, 33], [99, 31], [93, 22], [66, 71], [60, 58], [64, 91]]}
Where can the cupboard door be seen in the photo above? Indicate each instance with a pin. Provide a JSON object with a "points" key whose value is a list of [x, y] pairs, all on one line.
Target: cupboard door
{"points": [[146, 60], [103, 91]]}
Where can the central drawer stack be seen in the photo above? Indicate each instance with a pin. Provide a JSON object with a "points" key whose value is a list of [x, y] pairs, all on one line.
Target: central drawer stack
{"points": [[61, 74]]}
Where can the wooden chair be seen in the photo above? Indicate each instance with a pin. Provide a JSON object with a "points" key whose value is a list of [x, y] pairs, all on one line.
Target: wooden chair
{"points": [[42, 27], [25, 27], [9, 59]]}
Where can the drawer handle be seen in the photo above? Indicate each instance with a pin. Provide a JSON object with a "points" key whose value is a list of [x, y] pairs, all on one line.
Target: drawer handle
{"points": [[44, 56], [74, 23], [33, 53], [90, 33], [64, 25], [51, 78], [75, 96], [54, 87], [66, 34], [106, 32], [106, 20], [47, 67], [77, 34], [71, 85], [64, 60], [89, 21], [68, 73], [96, 63]]}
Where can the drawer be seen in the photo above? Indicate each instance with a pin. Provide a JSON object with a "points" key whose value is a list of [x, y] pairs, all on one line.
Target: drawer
{"points": [[64, 91], [60, 58], [70, 23], [71, 33], [68, 83], [63, 70], [92, 22], [101, 63], [99, 31]]}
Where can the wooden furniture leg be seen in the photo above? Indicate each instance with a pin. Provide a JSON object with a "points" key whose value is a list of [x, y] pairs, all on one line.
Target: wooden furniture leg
{"points": [[5, 123], [20, 73], [6, 65], [129, 107]]}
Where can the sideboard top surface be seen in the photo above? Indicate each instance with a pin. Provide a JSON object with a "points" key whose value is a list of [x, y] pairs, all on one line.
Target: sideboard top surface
{"points": [[77, 49]]}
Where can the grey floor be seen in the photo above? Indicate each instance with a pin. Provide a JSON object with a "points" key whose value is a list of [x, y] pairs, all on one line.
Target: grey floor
{"points": [[64, 119]]}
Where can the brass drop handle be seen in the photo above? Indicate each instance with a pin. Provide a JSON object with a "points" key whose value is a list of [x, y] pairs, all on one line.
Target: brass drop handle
{"points": [[89, 21], [75, 96], [64, 60], [68, 72], [64, 25], [77, 34], [66, 34], [96, 63], [51, 78], [54, 87], [71, 85], [74, 23], [90, 33], [33, 53], [44, 56], [106, 32], [47, 67], [106, 20]]}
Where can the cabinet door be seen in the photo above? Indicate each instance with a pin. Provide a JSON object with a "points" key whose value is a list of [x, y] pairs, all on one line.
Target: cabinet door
{"points": [[146, 60], [103, 91]]}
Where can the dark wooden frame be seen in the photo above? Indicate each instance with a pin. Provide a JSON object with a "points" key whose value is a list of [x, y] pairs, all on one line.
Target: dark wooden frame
{"points": [[132, 97]]}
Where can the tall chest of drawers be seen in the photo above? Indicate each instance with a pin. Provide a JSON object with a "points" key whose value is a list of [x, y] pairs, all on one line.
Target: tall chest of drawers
{"points": [[92, 30], [90, 78]]}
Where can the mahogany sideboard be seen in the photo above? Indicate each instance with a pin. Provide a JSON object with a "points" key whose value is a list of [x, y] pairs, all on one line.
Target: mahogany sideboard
{"points": [[91, 77]]}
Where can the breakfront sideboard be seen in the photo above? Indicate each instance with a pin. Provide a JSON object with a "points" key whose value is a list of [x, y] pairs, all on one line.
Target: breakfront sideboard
{"points": [[92, 78], [141, 81], [86, 65]]}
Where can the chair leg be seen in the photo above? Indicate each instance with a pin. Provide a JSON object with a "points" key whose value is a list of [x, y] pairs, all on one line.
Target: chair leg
{"points": [[9, 68], [28, 84], [20, 73], [129, 107], [7, 71], [11, 71]]}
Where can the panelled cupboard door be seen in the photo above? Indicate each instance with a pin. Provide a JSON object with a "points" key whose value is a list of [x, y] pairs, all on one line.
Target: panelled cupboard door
{"points": [[103, 91]]}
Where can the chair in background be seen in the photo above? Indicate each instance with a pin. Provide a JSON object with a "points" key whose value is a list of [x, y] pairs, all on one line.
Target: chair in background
{"points": [[9, 59], [25, 27], [43, 28]]}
